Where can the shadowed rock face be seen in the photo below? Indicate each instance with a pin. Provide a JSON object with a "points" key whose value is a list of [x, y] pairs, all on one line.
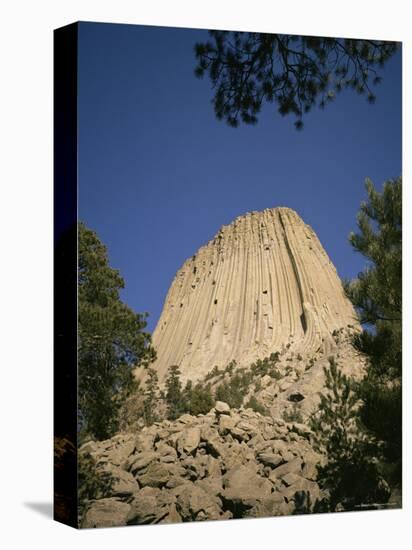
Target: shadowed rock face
{"points": [[263, 283]]}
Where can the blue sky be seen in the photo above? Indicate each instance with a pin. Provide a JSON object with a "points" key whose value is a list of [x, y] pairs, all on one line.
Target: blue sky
{"points": [[158, 174]]}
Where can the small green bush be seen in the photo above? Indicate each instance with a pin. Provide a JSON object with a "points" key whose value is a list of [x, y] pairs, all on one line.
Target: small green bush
{"points": [[91, 483], [293, 416], [254, 404], [233, 391], [213, 373], [197, 399]]}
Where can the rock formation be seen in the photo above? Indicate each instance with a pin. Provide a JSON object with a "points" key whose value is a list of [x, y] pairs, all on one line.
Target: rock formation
{"points": [[259, 309], [263, 283], [223, 465]]}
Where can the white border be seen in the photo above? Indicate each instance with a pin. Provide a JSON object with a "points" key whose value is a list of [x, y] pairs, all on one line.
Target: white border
{"points": [[26, 267]]}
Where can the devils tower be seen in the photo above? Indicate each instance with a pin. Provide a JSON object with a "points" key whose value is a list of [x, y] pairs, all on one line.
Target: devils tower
{"points": [[262, 289], [263, 284]]}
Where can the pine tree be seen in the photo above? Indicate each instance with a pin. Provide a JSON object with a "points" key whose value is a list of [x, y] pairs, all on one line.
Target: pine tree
{"points": [[377, 296], [174, 396], [151, 397], [350, 475], [197, 399], [247, 69], [111, 343]]}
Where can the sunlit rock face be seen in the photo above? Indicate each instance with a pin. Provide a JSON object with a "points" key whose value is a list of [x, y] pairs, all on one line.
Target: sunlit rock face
{"points": [[263, 284]]}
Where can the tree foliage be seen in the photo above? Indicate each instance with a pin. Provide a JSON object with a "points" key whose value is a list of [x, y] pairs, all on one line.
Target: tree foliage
{"points": [[174, 394], [377, 291], [377, 296], [92, 483], [198, 399], [111, 343], [150, 413], [234, 390], [247, 69], [350, 474]]}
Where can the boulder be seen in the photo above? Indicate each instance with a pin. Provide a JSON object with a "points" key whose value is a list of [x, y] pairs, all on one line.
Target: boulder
{"points": [[243, 487], [222, 408], [193, 503], [301, 429], [301, 485], [290, 478], [226, 424], [212, 441], [166, 452], [106, 512], [147, 507], [213, 467], [145, 441], [123, 484], [172, 515], [90, 447], [267, 507], [310, 471], [270, 459], [294, 466], [156, 475], [189, 440], [139, 462]]}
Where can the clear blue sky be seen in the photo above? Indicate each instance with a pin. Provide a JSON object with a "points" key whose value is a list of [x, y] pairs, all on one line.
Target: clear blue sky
{"points": [[158, 174]]}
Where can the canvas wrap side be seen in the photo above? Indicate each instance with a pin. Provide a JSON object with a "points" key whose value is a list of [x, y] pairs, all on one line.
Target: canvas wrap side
{"points": [[65, 274]]}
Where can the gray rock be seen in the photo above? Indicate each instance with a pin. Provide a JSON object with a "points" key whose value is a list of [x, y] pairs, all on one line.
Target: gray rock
{"points": [[294, 466], [267, 506], [189, 440], [123, 483], [172, 516], [106, 512], [290, 478], [301, 485], [193, 503], [89, 447], [222, 408], [301, 429], [139, 462], [146, 507], [271, 459], [156, 475], [310, 471], [213, 443], [243, 486], [226, 424]]}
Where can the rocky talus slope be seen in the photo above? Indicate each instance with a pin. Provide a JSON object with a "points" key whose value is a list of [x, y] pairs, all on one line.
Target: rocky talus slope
{"points": [[222, 465]]}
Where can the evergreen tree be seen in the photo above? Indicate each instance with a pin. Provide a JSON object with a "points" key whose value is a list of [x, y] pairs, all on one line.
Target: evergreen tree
{"points": [[350, 475], [197, 399], [296, 72], [111, 341], [174, 396], [377, 295], [151, 396]]}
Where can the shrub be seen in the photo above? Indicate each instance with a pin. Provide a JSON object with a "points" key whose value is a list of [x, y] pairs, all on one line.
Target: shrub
{"points": [[233, 392], [293, 415], [197, 399], [213, 373], [230, 367], [274, 357], [254, 404], [274, 373], [91, 483]]}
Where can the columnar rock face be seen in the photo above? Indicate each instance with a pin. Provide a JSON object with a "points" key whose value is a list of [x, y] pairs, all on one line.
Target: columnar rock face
{"points": [[262, 284]]}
